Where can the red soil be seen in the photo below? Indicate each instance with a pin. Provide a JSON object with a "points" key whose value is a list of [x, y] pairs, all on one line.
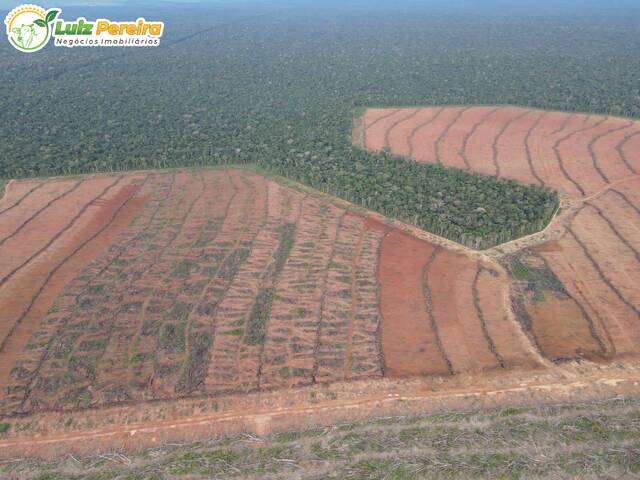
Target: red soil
{"points": [[481, 149], [511, 148], [437, 318], [14, 193], [377, 125], [225, 366], [584, 146], [425, 138], [27, 296], [449, 283], [223, 282], [594, 159], [16, 251], [14, 217], [629, 149], [455, 146], [611, 206], [295, 315], [148, 425], [568, 338], [510, 344], [174, 305], [409, 341]]}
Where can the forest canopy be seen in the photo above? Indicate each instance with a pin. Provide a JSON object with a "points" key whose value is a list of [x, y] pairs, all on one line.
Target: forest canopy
{"points": [[257, 84]]}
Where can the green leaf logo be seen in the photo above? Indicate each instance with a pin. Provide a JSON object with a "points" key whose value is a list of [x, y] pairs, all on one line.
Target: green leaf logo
{"points": [[51, 16], [29, 27]]}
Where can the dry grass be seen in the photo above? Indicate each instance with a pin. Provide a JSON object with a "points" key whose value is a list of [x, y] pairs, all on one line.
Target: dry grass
{"points": [[595, 440]]}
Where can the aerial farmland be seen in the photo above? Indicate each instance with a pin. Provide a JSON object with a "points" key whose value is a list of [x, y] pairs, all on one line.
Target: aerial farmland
{"points": [[585, 271], [356, 240]]}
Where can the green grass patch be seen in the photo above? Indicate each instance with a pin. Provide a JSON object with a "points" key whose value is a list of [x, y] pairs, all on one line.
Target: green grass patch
{"points": [[256, 325], [172, 339]]}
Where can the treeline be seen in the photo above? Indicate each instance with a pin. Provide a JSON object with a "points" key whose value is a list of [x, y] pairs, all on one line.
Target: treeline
{"points": [[475, 210], [280, 90]]}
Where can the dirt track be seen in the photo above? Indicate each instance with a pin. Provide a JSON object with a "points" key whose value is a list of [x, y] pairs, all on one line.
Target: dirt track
{"points": [[222, 288], [153, 287], [147, 425]]}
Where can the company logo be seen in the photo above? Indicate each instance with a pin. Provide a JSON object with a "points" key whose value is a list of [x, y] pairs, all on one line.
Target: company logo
{"points": [[30, 28]]}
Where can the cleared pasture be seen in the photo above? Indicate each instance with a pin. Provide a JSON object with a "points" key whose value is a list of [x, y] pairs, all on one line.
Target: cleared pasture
{"points": [[575, 296]]}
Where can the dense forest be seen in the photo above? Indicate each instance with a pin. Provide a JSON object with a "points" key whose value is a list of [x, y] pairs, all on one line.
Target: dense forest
{"points": [[277, 84]]}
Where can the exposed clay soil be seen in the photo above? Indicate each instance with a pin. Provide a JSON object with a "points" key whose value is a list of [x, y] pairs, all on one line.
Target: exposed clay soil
{"points": [[158, 286], [178, 294], [573, 153], [409, 340], [560, 329], [61, 247], [592, 247]]}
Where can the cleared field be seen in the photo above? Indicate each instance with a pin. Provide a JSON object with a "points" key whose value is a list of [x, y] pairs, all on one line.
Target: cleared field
{"points": [[576, 296], [575, 154], [118, 289], [444, 312]]}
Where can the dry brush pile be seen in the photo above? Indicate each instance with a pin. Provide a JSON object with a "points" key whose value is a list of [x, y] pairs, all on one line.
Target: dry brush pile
{"points": [[220, 281]]}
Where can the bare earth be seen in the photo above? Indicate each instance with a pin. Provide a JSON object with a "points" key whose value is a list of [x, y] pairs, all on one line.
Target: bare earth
{"points": [[587, 304], [153, 306]]}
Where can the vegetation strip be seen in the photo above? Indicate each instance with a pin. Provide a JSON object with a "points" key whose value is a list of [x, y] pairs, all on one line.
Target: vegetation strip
{"points": [[429, 306], [141, 235], [162, 328], [601, 273], [318, 336], [592, 153], [259, 316], [589, 439], [483, 323], [198, 348], [59, 331], [256, 324], [229, 269], [106, 225], [353, 311], [157, 254]]}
